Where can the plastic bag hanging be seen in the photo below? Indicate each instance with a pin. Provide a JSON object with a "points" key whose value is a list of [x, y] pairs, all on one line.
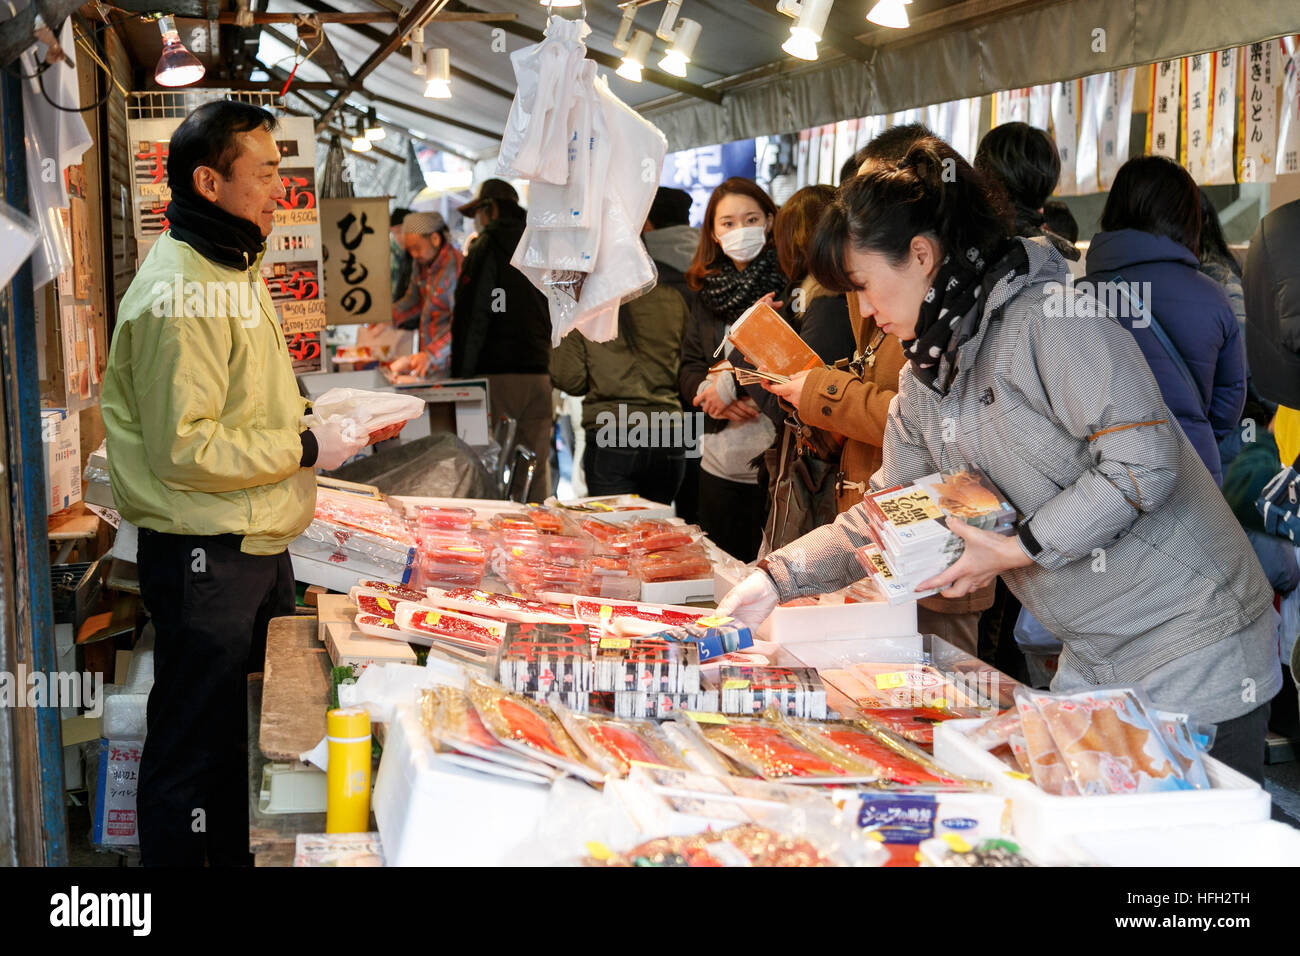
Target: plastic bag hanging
{"points": [[18, 235]]}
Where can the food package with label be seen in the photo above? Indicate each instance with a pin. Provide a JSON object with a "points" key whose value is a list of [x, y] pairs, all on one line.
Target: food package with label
{"points": [[615, 745], [893, 761], [538, 659], [792, 691], [772, 751], [530, 728], [504, 607], [647, 664], [689, 563]]}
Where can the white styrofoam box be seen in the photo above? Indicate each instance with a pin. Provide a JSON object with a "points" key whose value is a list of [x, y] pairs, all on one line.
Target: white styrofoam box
{"points": [[1267, 843], [677, 592], [432, 813], [1047, 824], [126, 542], [837, 622], [336, 577], [61, 438]]}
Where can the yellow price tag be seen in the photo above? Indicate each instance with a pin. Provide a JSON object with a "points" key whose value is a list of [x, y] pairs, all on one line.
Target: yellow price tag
{"points": [[432, 618], [606, 612], [956, 843], [383, 602], [615, 643], [703, 717], [468, 547], [715, 621], [1017, 775], [891, 680], [598, 851], [736, 683]]}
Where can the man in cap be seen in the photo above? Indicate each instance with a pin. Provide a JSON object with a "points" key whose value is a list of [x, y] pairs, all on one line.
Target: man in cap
{"points": [[501, 328], [427, 304]]}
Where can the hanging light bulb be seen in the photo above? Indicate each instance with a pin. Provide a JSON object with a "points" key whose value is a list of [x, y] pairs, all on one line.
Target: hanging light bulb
{"points": [[177, 66], [437, 67], [360, 143], [684, 39], [634, 59], [890, 13], [373, 130]]}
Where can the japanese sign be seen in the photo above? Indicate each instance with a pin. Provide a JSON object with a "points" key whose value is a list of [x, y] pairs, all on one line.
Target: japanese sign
{"points": [[357, 264], [1288, 140], [1089, 120], [1162, 120], [699, 171], [1221, 161], [1116, 114], [1259, 114], [1197, 94], [1065, 129]]}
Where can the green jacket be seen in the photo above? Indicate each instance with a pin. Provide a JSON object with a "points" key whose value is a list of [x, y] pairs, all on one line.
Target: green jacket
{"points": [[1244, 479], [200, 405], [637, 369]]}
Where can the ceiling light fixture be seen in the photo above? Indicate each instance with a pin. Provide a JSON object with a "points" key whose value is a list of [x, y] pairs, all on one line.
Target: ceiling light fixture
{"points": [[177, 66], [373, 130], [625, 28], [807, 30], [417, 51], [890, 13], [437, 67], [360, 143], [682, 34], [634, 59]]}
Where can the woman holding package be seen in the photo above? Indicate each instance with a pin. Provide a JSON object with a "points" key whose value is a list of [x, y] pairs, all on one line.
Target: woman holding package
{"points": [[1126, 550], [735, 265]]}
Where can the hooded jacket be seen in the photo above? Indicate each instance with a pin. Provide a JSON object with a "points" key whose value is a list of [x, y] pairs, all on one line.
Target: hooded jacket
{"points": [[1067, 420], [672, 249], [1272, 288], [500, 323], [1195, 313]]}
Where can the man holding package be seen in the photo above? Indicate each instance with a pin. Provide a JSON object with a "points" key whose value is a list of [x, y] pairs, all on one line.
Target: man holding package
{"points": [[427, 300], [208, 459]]}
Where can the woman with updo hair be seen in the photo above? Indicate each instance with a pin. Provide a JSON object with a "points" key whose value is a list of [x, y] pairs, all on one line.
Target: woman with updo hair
{"points": [[1125, 548]]}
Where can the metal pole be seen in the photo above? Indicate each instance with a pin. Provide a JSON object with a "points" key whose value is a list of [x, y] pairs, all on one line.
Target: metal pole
{"points": [[41, 819]]}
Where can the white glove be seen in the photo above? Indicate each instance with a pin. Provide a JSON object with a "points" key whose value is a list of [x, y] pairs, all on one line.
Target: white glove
{"points": [[751, 601], [336, 442]]}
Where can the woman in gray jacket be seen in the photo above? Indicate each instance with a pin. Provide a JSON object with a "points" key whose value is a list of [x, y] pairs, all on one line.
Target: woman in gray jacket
{"points": [[1126, 549]]}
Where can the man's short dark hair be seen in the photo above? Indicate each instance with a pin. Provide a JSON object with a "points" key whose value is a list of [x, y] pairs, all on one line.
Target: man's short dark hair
{"points": [[1023, 160], [671, 207], [209, 137], [398, 216]]}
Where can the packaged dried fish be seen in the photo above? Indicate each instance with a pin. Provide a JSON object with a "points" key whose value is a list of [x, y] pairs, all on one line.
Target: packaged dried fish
{"points": [[776, 754], [397, 591], [648, 664], [911, 723], [615, 745], [793, 691], [505, 607], [540, 658], [887, 759], [528, 727]]}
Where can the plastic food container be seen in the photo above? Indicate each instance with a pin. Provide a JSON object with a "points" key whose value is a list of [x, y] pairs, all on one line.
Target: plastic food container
{"points": [[561, 549], [611, 577], [444, 519], [451, 563], [677, 564], [532, 577]]}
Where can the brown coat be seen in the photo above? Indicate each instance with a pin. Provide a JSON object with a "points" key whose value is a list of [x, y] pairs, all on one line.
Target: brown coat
{"points": [[838, 401]]}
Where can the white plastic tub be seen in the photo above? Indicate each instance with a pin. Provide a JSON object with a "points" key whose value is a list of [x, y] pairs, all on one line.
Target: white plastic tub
{"points": [[1268, 843], [434, 813], [1048, 825]]}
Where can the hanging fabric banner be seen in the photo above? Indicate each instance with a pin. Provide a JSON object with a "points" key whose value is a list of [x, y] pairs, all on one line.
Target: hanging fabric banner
{"points": [[1011, 106], [846, 144], [801, 162], [1089, 123], [828, 173], [355, 240], [1040, 106], [1116, 105], [1288, 144], [1221, 160], [1259, 113], [869, 127], [1162, 120], [1065, 130], [1196, 114], [961, 138], [974, 108]]}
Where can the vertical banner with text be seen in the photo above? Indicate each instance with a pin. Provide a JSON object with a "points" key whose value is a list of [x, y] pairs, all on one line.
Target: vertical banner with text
{"points": [[354, 232]]}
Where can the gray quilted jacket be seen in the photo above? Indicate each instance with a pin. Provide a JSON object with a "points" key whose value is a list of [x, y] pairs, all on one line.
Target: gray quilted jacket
{"points": [[1142, 560]]}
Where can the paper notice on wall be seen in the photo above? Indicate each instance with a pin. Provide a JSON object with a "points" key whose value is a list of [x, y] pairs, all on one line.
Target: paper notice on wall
{"points": [[1221, 161], [1259, 112], [1040, 106], [1113, 127], [1065, 130], [1197, 95], [1162, 121], [1089, 122]]}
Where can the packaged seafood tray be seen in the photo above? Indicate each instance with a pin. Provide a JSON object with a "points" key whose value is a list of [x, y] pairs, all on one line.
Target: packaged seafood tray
{"points": [[421, 624], [1047, 824], [532, 577], [612, 577], [532, 518], [688, 563], [537, 659], [616, 744], [652, 665], [614, 507], [533, 545], [429, 518], [652, 706], [504, 607], [837, 616], [339, 570], [793, 691], [433, 812], [451, 562], [630, 618], [774, 752], [639, 537]]}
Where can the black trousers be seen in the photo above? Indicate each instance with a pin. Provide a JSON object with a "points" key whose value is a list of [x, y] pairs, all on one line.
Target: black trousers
{"points": [[732, 514], [210, 604], [1240, 743], [654, 473]]}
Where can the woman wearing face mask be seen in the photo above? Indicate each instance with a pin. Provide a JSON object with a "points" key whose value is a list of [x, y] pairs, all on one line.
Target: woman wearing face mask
{"points": [[735, 265], [1126, 550]]}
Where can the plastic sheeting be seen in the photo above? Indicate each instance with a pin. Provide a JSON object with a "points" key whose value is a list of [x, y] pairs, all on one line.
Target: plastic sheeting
{"points": [[1057, 41], [440, 466]]}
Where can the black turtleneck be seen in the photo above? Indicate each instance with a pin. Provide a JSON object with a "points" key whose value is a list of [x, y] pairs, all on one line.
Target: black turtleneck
{"points": [[215, 234]]}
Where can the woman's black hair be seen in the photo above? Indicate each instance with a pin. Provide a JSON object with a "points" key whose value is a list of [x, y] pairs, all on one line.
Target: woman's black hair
{"points": [[1213, 244], [1023, 160], [209, 137], [1154, 194], [931, 191]]}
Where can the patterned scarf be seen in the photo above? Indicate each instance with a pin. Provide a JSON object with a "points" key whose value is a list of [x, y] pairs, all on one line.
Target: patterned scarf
{"points": [[954, 307], [729, 292]]}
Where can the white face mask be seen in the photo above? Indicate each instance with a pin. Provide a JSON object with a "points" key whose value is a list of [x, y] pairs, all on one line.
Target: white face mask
{"points": [[743, 245]]}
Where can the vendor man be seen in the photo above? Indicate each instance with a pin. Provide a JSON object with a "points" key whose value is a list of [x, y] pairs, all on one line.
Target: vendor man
{"points": [[429, 297], [208, 459]]}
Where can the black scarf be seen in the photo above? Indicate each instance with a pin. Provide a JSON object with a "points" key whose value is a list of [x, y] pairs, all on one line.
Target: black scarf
{"points": [[215, 234], [729, 291], [954, 307]]}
